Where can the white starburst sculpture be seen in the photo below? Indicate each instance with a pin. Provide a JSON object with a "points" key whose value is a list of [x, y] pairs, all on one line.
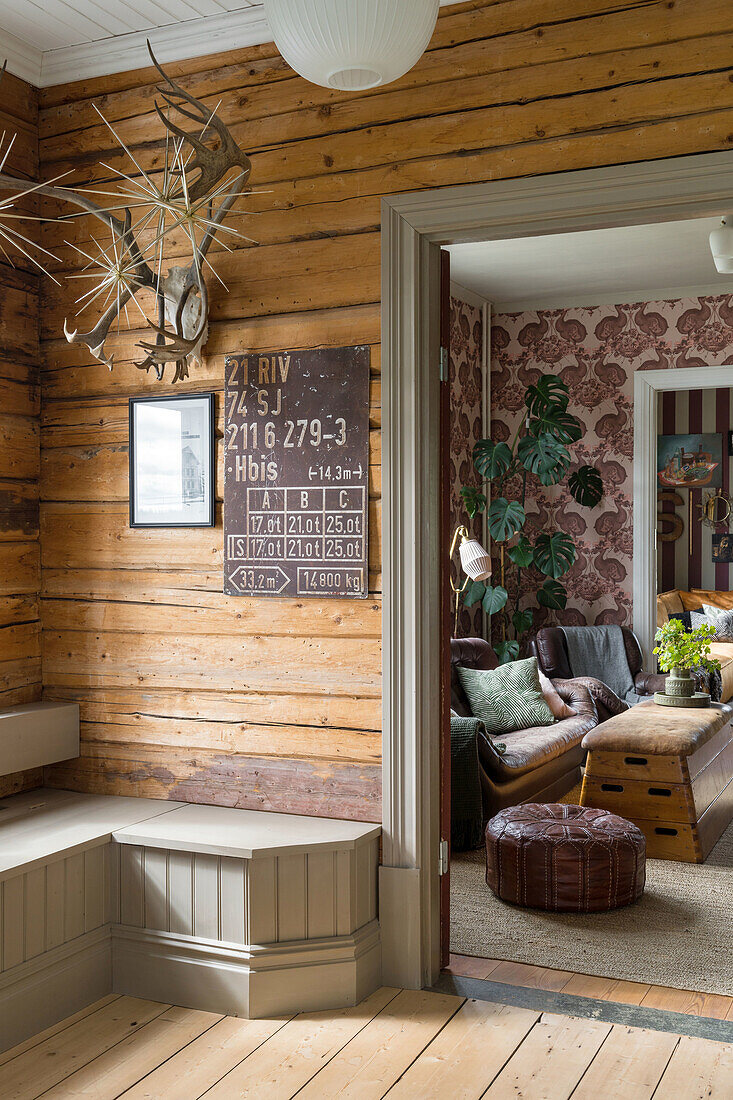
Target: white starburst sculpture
{"points": [[203, 176]]}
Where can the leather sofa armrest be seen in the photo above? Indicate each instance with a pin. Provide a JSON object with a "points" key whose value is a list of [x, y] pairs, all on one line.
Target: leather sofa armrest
{"points": [[607, 702], [576, 694], [489, 750], [646, 683]]}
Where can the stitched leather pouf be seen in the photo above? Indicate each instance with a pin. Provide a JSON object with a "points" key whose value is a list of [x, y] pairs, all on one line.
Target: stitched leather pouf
{"points": [[567, 859]]}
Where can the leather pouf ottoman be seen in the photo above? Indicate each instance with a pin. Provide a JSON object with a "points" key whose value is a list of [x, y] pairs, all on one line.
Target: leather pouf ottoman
{"points": [[563, 858]]}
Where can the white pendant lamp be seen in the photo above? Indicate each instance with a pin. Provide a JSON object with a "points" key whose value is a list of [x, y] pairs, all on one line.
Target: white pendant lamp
{"points": [[475, 561], [721, 246], [351, 45]]}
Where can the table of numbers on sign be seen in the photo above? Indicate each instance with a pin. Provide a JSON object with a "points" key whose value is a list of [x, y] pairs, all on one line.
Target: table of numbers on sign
{"points": [[296, 473]]}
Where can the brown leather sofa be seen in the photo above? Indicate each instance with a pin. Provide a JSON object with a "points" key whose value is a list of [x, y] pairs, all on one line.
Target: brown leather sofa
{"points": [[552, 656], [540, 764]]}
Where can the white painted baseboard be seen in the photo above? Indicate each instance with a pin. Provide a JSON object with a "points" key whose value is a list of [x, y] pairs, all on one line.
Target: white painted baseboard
{"points": [[41, 992], [399, 893], [238, 980]]}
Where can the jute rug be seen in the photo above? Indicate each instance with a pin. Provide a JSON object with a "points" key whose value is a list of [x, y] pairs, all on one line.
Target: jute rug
{"points": [[680, 934]]}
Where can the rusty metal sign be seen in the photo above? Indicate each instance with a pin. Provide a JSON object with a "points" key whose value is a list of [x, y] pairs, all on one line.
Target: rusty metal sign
{"points": [[296, 473]]}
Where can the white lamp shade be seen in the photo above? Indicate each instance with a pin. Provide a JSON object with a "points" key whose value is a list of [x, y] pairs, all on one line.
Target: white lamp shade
{"points": [[721, 246], [351, 44], [475, 561]]}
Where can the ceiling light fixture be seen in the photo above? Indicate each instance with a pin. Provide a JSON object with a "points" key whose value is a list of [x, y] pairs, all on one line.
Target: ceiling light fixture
{"points": [[721, 245], [351, 45]]}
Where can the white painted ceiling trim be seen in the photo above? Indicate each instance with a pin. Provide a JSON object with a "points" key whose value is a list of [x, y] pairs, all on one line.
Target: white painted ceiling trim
{"points": [[23, 59], [117, 53], [176, 42], [584, 300]]}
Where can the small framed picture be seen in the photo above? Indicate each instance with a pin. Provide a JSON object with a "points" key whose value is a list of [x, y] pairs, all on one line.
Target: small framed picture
{"points": [[723, 547], [690, 461], [172, 461]]}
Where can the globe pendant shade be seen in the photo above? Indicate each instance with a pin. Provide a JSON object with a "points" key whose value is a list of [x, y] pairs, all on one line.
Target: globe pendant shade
{"points": [[351, 45]]}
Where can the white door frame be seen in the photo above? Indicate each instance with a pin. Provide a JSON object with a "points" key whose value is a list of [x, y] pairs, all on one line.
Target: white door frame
{"points": [[647, 384], [414, 226]]}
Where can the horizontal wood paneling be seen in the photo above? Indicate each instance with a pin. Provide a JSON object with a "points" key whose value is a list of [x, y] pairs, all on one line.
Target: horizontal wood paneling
{"points": [[20, 633], [187, 693], [222, 710], [323, 788], [21, 781]]}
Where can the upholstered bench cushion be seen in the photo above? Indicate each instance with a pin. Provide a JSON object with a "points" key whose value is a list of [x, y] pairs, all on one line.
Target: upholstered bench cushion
{"points": [[564, 858], [659, 731]]}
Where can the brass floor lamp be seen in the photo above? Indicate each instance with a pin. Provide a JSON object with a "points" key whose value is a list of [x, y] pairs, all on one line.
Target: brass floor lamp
{"points": [[475, 563]]}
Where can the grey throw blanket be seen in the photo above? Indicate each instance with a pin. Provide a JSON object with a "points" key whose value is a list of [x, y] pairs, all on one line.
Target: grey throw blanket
{"points": [[599, 651]]}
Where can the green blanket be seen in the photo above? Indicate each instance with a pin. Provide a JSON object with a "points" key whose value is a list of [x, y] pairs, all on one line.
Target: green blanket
{"points": [[465, 786]]}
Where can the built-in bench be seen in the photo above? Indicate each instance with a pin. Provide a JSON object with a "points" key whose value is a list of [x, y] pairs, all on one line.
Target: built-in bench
{"points": [[36, 734], [227, 910]]}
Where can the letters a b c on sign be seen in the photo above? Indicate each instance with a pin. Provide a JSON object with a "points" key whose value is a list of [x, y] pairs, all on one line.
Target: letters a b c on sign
{"points": [[296, 473]]}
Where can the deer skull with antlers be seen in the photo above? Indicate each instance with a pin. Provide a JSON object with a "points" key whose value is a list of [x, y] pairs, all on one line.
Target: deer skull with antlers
{"points": [[205, 172]]}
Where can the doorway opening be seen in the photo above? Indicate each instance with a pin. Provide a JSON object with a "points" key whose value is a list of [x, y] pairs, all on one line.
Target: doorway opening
{"points": [[413, 229], [579, 314]]}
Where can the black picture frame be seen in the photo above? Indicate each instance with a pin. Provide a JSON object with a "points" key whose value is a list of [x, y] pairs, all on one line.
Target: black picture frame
{"points": [[208, 448]]}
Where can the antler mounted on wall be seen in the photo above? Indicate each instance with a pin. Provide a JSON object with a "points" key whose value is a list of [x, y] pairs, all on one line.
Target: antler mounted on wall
{"points": [[204, 173]]}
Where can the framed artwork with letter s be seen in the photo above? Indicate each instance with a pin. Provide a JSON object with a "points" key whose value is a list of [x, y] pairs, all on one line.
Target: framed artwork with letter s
{"points": [[172, 461]]}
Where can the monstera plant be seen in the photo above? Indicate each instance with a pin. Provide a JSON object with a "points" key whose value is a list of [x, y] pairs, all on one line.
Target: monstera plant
{"points": [[540, 451]]}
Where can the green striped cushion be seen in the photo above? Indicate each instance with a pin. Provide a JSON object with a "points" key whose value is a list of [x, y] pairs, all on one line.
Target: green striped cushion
{"points": [[507, 698]]}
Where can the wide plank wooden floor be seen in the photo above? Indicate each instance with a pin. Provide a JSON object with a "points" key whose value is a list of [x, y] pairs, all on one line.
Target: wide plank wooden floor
{"points": [[400, 1043], [527, 976]]}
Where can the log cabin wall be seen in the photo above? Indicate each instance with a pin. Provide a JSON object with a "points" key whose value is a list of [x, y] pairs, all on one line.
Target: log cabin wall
{"points": [[20, 634], [186, 693]]}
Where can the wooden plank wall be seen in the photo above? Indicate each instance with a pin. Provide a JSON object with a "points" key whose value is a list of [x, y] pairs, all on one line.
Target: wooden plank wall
{"points": [[276, 704], [20, 641]]}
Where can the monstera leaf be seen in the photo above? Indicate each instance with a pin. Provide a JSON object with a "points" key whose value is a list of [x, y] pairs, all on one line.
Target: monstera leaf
{"points": [[474, 500], [522, 620], [586, 485], [548, 390], [552, 595], [506, 517], [522, 554], [554, 554], [544, 456], [558, 422], [474, 593], [494, 599], [506, 651], [491, 459]]}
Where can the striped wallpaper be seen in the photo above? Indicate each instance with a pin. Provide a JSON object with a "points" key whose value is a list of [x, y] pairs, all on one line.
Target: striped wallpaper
{"points": [[681, 413]]}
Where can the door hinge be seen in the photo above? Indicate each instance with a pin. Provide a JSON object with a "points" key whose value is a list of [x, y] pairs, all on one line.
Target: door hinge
{"points": [[444, 364], [443, 858]]}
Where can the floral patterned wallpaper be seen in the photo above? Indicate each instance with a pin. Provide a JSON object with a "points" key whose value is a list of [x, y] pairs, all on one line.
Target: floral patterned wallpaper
{"points": [[596, 351], [465, 377]]}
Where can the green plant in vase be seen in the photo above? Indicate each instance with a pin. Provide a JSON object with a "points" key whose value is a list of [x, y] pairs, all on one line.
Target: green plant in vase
{"points": [[539, 452], [679, 650]]}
